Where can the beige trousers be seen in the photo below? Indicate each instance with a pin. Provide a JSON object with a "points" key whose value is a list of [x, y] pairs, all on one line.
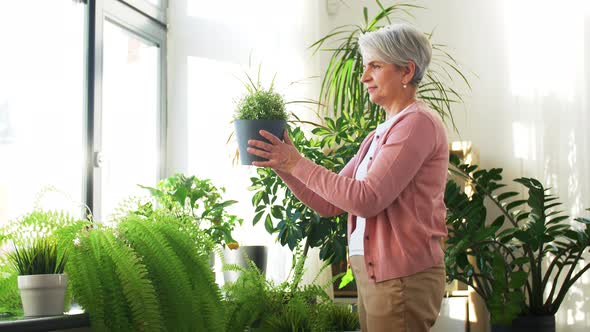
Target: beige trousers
{"points": [[408, 304]]}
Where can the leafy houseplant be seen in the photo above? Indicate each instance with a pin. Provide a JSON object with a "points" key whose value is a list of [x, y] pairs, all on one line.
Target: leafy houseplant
{"points": [[197, 204], [347, 119], [259, 109], [502, 259], [146, 274], [41, 281]]}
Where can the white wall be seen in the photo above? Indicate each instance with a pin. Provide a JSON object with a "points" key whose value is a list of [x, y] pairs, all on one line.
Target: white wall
{"points": [[529, 108]]}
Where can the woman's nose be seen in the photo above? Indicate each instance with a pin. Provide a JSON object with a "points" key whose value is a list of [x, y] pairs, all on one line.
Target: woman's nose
{"points": [[365, 77]]}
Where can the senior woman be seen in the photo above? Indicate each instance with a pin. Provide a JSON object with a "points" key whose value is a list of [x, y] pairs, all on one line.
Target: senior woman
{"points": [[392, 189]]}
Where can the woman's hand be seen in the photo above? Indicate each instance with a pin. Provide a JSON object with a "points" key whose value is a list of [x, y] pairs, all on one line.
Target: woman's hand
{"points": [[281, 156]]}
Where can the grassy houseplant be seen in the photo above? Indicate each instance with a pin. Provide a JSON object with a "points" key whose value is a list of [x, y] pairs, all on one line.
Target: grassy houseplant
{"points": [[348, 117], [55, 227], [41, 281], [259, 109], [502, 258]]}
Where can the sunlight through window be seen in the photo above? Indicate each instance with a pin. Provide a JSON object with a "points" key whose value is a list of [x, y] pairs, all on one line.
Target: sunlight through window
{"points": [[41, 103], [545, 46]]}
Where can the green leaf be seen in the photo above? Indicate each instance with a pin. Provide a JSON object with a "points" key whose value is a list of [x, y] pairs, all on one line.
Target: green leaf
{"points": [[257, 217], [346, 279], [257, 198], [268, 224], [506, 195], [277, 212], [558, 219], [518, 279], [514, 204]]}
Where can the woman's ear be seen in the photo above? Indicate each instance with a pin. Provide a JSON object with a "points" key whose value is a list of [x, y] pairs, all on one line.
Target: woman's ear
{"points": [[409, 72]]}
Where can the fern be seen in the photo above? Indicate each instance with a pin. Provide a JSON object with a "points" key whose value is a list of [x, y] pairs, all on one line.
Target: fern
{"points": [[247, 299], [119, 313], [131, 303], [85, 279], [10, 301], [336, 317], [256, 303], [206, 295], [165, 268], [137, 288]]}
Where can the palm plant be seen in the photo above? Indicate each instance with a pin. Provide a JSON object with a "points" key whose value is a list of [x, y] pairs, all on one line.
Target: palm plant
{"points": [[342, 89]]}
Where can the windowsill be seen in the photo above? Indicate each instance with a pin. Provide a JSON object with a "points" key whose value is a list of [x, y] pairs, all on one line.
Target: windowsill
{"points": [[71, 320]]}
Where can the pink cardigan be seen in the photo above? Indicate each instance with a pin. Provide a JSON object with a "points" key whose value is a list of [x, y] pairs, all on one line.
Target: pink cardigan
{"points": [[401, 197]]}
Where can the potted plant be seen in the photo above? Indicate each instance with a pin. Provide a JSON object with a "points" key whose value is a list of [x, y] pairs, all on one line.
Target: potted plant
{"points": [[41, 281], [259, 109], [54, 227], [197, 205], [502, 258]]}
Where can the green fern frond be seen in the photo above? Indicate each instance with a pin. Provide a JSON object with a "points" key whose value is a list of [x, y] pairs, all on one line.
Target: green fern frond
{"points": [[85, 279], [165, 268], [9, 294], [207, 297], [137, 288]]}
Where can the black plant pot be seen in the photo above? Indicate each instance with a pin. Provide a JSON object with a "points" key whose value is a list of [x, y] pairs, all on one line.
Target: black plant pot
{"points": [[249, 129], [528, 324], [501, 328], [534, 324], [256, 254]]}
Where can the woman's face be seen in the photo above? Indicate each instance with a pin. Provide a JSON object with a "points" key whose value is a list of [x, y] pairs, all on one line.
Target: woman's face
{"points": [[383, 81]]}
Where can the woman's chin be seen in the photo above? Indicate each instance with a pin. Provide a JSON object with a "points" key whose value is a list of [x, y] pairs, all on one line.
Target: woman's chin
{"points": [[375, 100]]}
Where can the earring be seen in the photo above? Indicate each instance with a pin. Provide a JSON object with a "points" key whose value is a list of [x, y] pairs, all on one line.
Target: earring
{"points": [[405, 86]]}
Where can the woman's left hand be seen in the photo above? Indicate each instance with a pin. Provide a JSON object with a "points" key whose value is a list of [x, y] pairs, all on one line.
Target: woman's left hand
{"points": [[282, 156]]}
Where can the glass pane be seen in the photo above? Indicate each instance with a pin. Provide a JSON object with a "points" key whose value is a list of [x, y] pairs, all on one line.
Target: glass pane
{"points": [[129, 117], [41, 105], [156, 3]]}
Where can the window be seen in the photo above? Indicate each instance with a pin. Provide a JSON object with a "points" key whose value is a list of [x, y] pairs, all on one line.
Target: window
{"points": [[129, 110], [129, 116], [80, 83], [41, 103]]}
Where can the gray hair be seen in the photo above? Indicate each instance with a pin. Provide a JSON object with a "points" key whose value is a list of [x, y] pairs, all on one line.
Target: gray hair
{"points": [[398, 44]]}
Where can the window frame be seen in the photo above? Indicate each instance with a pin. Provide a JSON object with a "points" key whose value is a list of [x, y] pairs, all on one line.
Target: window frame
{"points": [[130, 18]]}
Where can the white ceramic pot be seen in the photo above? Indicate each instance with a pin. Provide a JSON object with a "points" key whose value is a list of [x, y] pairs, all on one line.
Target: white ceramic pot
{"points": [[43, 294]]}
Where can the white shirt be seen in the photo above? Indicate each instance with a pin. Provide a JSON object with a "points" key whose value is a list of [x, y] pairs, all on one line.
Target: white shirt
{"points": [[355, 244]]}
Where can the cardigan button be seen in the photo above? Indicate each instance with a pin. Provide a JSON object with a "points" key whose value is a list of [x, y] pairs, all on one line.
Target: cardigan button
{"points": [[370, 263], [370, 158], [367, 237], [373, 276]]}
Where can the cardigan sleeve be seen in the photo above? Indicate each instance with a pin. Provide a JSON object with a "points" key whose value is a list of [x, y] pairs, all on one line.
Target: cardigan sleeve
{"points": [[409, 144], [310, 198]]}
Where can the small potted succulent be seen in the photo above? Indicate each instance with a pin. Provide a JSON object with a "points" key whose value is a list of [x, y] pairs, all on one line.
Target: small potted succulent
{"points": [[259, 109], [41, 279]]}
